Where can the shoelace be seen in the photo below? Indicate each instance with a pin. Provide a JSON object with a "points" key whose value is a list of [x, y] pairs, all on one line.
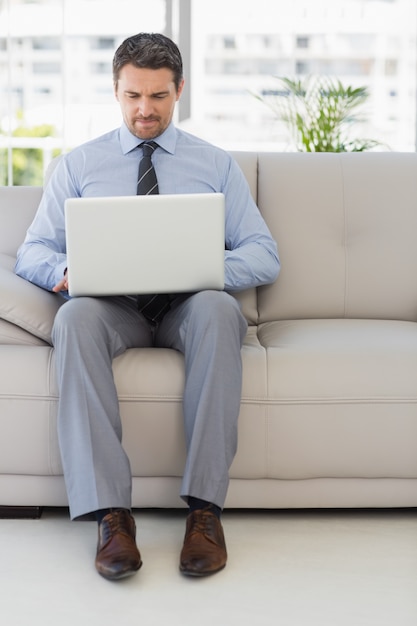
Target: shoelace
{"points": [[202, 523], [115, 524]]}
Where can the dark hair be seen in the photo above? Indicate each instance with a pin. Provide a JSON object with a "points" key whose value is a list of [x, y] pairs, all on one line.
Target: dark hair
{"points": [[149, 50]]}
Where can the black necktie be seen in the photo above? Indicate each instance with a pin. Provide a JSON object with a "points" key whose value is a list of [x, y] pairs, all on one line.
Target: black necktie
{"points": [[147, 181], [152, 306]]}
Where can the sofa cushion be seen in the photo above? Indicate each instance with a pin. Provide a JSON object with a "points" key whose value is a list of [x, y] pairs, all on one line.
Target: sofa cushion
{"points": [[24, 304], [13, 335], [346, 229], [341, 395]]}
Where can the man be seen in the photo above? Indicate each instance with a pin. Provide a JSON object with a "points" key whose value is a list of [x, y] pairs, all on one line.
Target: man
{"points": [[207, 327]]}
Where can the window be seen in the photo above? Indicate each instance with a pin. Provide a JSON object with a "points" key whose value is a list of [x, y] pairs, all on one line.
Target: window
{"points": [[101, 67], [46, 43], [46, 67], [302, 67], [103, 43], [56, 76], [302, 42], [229, 43], [362, 43]]}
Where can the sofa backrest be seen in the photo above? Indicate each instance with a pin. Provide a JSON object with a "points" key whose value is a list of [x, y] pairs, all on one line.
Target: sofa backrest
{"points": [[17, 209], [346, 226], [248, 163]]}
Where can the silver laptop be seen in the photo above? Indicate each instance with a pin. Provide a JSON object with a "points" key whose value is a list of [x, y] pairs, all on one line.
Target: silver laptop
{"points": [[145, 244]]}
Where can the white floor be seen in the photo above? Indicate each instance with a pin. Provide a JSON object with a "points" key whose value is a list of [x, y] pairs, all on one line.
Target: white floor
{"points": [[306, 568]]}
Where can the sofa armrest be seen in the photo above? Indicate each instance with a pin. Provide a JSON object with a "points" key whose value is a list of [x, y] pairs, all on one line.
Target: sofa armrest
{"points": [[25, 304]]}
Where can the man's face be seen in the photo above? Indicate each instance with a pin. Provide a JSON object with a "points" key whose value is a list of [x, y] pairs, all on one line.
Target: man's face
{"points": [[147, 99]]}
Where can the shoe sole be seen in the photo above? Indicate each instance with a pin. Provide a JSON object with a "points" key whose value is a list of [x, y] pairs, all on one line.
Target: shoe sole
{"points": [[194, 574], [121, 576]]}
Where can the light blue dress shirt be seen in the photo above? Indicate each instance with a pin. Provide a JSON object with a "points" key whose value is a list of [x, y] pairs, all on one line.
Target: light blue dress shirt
{"points": [[108, 166]]}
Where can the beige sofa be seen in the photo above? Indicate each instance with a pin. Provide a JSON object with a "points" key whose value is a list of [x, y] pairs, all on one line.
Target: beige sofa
{"points": [[329, 405]]}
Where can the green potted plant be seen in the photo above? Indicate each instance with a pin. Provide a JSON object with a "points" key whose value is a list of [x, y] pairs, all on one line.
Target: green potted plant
{"points": [[319, 113]]}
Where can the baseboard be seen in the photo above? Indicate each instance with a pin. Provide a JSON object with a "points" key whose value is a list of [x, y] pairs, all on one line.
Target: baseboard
{"points": [[20, 512]]}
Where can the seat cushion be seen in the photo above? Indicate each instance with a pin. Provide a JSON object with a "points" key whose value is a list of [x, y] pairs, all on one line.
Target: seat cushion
{"points": [[341, 395]]}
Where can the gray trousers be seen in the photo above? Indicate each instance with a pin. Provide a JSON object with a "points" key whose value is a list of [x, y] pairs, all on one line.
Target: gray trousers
{"points": [[88, 333]]}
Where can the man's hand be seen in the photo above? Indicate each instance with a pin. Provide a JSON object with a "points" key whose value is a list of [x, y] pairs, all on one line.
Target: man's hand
{"points": [[62, 285]]}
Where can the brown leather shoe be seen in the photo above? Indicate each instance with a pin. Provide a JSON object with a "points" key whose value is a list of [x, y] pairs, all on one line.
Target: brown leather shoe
{"points": [[117, 553], [204, 549]]}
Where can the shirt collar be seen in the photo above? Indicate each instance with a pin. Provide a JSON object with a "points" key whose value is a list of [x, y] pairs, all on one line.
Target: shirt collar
{"points": [[167, 140]]}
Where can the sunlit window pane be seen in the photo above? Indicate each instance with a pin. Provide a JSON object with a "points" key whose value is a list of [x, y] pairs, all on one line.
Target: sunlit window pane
{"points": [[55, 69], [55, 75], [362, 43]]}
